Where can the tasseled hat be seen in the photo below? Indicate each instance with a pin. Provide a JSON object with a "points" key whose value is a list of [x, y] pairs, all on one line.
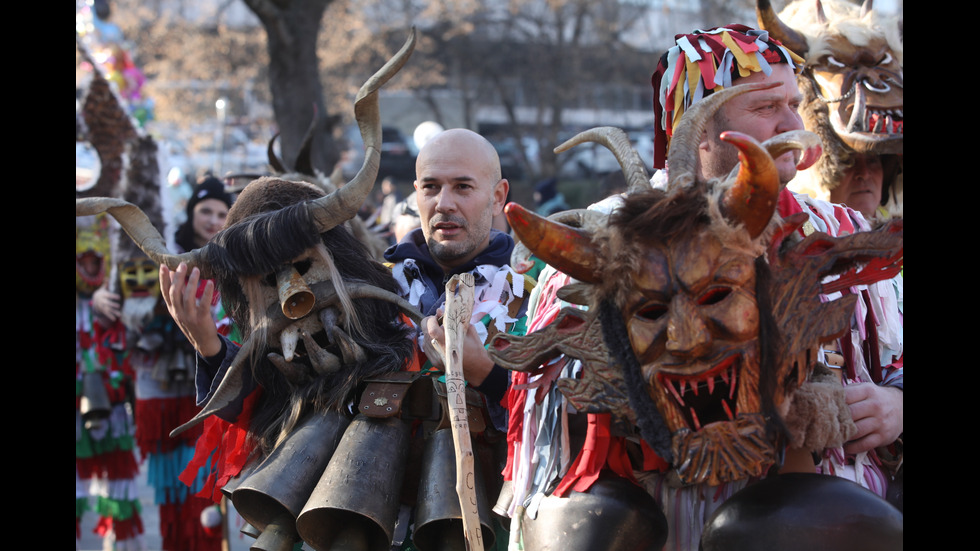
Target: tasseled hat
{"points": [[705, 61]]}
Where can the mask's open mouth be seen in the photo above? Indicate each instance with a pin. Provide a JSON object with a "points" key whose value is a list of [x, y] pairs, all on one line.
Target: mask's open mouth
{"points": [[881, 123], [314, 342], [707, 397]]}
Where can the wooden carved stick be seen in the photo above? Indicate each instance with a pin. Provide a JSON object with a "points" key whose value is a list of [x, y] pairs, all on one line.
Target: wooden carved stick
{"points": [[459, 307]]}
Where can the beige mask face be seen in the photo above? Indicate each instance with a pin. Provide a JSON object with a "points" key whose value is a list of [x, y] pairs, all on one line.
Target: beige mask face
{"points": [[865, 89], [138, 278]]}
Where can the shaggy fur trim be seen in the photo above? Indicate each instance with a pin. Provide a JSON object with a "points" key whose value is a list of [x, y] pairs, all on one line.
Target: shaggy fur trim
{"points": [[843, 18], [818, 416]]}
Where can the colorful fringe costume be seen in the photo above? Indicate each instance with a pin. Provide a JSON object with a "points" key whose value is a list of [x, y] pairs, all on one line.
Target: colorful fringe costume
{"points": [[106, 468]]}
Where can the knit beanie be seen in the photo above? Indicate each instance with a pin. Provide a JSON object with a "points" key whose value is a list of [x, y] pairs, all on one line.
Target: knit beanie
{"points": [[209, 188]]}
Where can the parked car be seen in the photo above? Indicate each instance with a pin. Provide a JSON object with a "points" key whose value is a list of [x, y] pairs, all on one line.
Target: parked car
{"points": [[511, 164], [398, 154], [589, 160]]}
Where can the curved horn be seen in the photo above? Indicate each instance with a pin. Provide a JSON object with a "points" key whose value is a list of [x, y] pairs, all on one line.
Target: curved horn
{"points": [[682, 158], [228, 390], [615, 140], [343, 204], [790, 37], [520, 257], [325, 295], [274, 161], [752, 198], [304, 160], [821, 14], [139, 228], [564, 247], [867, 7], [796, 140]]}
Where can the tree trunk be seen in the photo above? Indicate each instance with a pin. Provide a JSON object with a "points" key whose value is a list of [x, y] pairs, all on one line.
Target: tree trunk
{"points": [[292, 27]]}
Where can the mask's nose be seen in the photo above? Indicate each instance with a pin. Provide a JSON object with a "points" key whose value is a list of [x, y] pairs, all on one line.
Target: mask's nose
{"points": [[295, 296]]}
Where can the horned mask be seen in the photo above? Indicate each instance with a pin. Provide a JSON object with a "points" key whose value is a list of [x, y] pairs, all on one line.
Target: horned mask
{"points": [[705, 310], [854, 63], [317, 312]]}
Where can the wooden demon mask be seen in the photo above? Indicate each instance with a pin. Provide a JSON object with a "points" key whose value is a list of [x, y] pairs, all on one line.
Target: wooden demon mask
{"points": [[705, 311]]}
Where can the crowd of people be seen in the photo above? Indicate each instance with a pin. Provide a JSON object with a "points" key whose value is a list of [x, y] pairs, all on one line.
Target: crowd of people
{"points": [[327, 353]]}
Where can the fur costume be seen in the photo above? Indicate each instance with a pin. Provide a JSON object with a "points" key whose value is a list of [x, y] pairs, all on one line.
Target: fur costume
{"points": [[328, 362]]}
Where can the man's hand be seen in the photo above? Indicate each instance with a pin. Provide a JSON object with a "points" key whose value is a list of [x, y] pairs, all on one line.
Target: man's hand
{"points": [[476, 361], [106, 303], [193, 315], [878, 412]]}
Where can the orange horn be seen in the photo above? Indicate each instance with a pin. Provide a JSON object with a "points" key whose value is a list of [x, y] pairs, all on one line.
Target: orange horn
{"points": [[752, 198], [566, 248]]}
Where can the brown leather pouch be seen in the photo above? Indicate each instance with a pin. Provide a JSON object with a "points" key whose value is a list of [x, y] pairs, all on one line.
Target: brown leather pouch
{"points": [[394, 394]]}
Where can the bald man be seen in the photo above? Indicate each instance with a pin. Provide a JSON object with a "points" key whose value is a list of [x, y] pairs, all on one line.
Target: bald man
{"points": [[459, 191]]}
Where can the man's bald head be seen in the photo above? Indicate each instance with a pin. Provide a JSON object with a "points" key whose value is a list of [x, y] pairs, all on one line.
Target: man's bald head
{"points": [[459, 191], [461, 142]]}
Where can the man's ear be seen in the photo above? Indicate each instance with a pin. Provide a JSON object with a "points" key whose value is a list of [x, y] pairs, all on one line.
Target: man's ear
{"points": [[500, 195]]}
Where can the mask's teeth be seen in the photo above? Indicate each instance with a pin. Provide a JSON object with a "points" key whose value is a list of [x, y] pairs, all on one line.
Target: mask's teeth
{"points": [[711, 385], [328, 317], [858, 111], [673, 390], [294, 373], [734, 382], [876, 126], [288, 340], [323, 362], [728, 410], [694, 417], [351, 352]]}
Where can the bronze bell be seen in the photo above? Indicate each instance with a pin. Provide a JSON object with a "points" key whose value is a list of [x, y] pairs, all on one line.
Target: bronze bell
{"points": [[273, 494], [614, 514], [295, 297], [355, 504], [94, 406], [438, 517]]}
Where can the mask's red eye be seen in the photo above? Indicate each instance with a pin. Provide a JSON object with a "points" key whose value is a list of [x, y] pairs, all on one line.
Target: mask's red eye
{"points": [[714, 296]]}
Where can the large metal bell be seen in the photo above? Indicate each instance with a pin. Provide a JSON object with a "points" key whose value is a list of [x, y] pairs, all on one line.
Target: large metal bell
{"points": [[274, 493], [438, 517], [614, 515], [804, 512], [355, 504]]}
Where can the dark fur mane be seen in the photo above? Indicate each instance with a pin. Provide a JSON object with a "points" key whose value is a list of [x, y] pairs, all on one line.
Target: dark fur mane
{"points": [[656, 214]]}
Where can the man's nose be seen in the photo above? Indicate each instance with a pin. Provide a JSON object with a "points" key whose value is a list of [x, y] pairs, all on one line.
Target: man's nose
{"points": [[790, 120], [445, 201]]}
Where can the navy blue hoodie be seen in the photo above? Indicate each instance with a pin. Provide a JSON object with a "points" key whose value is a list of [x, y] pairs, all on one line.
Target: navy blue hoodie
{"points": [[413, 246], [497, 253]]}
